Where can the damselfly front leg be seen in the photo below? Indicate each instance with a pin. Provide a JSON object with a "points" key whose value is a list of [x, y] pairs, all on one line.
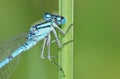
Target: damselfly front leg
{"points": [[64, 33]]}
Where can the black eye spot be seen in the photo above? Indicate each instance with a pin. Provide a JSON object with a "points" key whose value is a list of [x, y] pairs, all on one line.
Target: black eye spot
{"points": [[62, 17]]}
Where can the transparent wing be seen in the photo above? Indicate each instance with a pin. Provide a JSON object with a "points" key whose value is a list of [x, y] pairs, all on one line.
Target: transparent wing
{"points": [[6, 48]]}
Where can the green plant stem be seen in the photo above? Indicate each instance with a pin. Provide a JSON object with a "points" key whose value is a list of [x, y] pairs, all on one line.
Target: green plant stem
{"points": [[66, 52]]}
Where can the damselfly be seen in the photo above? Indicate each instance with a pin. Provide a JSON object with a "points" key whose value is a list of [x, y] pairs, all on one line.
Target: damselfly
{"points": [[38, 32]]}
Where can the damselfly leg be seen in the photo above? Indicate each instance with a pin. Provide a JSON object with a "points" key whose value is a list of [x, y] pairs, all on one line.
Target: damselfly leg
{"points": [[43, 48], [47, 41], [64, 33], [48, 45]]}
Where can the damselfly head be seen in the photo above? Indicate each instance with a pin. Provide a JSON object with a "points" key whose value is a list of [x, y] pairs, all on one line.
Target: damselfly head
{"points": [[54, 17]]}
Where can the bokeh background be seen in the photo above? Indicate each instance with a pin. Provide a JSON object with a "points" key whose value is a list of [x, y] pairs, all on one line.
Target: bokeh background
{"points": [[96, 37]]}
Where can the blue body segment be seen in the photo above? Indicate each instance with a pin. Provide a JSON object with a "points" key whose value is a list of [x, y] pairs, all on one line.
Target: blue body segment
{"points": [[36, 33]]}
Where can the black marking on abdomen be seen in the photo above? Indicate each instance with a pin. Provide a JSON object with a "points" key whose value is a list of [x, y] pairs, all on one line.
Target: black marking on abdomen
{"points": [[10, 57], [25, 44]]}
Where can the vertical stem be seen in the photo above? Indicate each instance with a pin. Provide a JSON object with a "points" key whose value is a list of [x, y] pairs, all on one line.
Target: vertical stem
{"points": [[66, 53]]}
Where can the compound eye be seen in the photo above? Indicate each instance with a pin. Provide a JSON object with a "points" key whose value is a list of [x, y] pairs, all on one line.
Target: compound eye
{"points": [[61, 20], [47, 16]]}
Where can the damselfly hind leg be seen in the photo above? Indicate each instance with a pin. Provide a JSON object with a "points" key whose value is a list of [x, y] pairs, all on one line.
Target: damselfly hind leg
{"points": [[48, 45], [46, 42], [49, 57], [60, 68], [43, 47]]}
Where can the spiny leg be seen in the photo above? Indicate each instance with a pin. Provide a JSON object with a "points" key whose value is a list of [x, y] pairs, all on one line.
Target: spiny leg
{"points": [[43, 47], [66, 30], [68, 42], [63, 32], [49, 56], [46, 42], [48, 45], [60, 68], [59, 28]]}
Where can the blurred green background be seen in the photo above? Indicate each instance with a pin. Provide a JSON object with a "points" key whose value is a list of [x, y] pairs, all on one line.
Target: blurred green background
{"points": [[96, 37]]}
